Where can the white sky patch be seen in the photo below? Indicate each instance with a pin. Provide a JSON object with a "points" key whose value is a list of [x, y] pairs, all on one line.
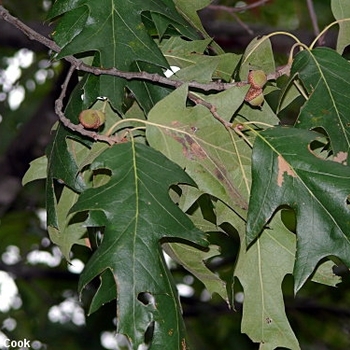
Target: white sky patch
{"points": [[11, 255], [9, 297], [9, 77], [185, 290], [42, 257], [76, 266], [110, 340], [16, 97], [169, 72], [67, 311]]}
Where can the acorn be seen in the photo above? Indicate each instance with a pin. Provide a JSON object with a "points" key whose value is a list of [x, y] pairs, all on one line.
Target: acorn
{"points": [[257, 78], [257, 101], [92, 118], [255, 97]]}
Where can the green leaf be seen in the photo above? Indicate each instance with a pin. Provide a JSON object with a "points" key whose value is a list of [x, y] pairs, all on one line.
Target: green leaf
{"points": [[194, 139], [326, 77], [189, 10], [137, 213], [325, 275], [37, 170], [69, 229], [194, 64], [258, 55], [62, 167], [116, 32], [189, 257], [341, 10], [261, 270], [316, 189]]}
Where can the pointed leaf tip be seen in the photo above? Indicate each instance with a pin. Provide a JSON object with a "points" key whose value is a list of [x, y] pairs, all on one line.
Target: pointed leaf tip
{"points": [[138, 214], [315, 188]]}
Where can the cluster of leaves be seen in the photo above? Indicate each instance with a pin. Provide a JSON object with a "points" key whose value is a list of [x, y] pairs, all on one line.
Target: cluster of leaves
{"points": [[130, 201]]}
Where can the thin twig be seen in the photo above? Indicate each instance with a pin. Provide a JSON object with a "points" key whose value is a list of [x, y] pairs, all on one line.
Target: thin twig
{"points": [[80, 65], [77, 127], [313, 17], [231, 9], [212, 109], [234, 10], [33, 35], [242, 24], [77, 64]]}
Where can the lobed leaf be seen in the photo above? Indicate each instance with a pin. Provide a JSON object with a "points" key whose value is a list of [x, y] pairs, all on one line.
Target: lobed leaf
{"points": [[195, 64], [341, 10], [116, 32], [191, 137], [137, 213], [315, 188], [261, 270], [69, 230], [326, 78]]}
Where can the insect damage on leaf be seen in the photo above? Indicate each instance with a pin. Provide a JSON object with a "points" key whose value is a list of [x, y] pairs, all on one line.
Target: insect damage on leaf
{"points": [[283, 167], [341, 157]]}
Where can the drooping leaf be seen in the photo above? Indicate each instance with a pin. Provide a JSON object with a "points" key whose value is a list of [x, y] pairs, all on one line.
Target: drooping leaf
{"points": [[116, 32], [326, 77], [70, 230], [341, 10], [62, 167], [315, 188], [261, 270], [193, 260], [136, 212], [37, 170]]}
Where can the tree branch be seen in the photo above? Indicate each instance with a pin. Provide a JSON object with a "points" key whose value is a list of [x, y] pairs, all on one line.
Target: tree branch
{"points": [[80, 65], [77, 64], [33, 35]]}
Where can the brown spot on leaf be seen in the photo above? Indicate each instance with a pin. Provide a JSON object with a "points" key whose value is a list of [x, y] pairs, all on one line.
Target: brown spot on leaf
{"points": [[283, 167], [341, 157], [195, 149], [198, 151]]}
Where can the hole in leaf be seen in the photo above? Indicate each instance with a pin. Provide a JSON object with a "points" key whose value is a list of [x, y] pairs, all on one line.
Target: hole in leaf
{"points": [[321, 146], [148, 336], [146, 298], [101, 177], [289, 219], [347, 200]]}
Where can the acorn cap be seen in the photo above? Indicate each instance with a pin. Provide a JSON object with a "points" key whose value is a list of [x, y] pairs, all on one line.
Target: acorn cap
{"points": [[91, 118], [257, 78]]}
